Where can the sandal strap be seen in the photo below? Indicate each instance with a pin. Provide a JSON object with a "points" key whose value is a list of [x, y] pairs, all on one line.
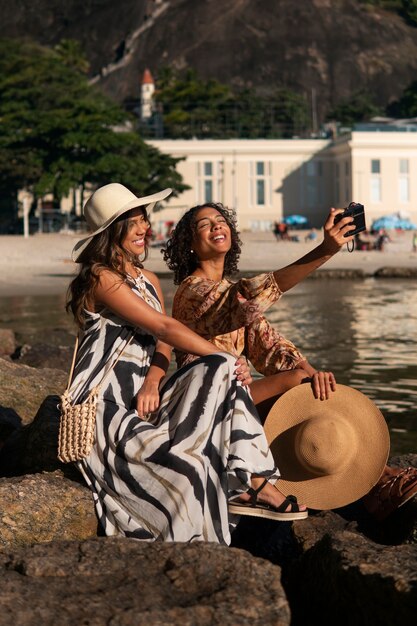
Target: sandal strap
{"points": [[253, 493], [290, 501]]}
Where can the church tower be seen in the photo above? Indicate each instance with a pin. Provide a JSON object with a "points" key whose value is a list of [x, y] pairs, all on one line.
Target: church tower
{"points": [[146, 96]]}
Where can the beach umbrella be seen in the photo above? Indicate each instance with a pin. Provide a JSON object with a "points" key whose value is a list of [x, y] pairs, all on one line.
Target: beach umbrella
{"points": [[392, 221], [292, 220]]}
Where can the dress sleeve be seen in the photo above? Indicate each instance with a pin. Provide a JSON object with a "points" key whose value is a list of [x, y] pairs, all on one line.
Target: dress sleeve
{"points": [[267, 350], [214, 308]]}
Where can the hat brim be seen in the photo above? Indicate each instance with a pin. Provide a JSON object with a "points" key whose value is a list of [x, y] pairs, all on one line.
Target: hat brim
{"points": [[148, 201], [366, 465]]}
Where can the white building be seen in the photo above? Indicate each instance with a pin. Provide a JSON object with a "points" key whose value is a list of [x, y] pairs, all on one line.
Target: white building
{"points": [[266, 180]]}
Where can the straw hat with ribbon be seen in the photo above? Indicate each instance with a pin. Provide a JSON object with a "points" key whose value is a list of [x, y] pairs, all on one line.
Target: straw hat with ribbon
{"points": [[107, 204], [330, 453]]}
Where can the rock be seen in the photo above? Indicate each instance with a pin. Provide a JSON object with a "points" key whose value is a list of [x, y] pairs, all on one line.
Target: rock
{"points": [[7, 342], [352, 570], [23, 388], [126, 582], [346, 579], [45, 355], [33, 448], [56, 337], [44, 507], [396, 272]]}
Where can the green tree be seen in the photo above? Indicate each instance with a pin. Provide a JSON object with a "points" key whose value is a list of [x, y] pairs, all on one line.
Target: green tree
{"points": [[359, 108], [409, 10], [290, 115], [192, 107], [406, 106], [57, 132]]}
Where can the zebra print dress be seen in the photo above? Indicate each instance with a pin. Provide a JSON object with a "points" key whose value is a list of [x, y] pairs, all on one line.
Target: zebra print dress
{"points": [[169, 478]]}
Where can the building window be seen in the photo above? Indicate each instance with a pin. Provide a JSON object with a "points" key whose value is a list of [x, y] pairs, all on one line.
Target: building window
{"points": [[207, 182], [376, 195], [261, 183], [313, 172], [375, 166], [404, 181], [376, 184]]}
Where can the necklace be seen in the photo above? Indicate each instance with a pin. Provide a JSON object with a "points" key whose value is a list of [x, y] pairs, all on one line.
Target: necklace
{"points": [[140, 282]]}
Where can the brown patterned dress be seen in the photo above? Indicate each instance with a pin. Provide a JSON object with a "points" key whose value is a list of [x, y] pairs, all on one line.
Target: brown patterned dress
{"points": [[230, 315]]}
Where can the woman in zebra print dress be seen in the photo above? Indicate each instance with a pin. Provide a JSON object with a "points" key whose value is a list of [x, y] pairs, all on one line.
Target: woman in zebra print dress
{"points": [[169, 453]]}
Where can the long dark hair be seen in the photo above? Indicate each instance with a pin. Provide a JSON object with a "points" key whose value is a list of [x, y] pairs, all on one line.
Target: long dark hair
{"points": [[105, 251], [178, 254]]}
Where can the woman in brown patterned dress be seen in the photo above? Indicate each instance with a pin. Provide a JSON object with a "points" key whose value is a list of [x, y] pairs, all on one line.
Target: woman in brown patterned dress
{"points": [[203, 251]]}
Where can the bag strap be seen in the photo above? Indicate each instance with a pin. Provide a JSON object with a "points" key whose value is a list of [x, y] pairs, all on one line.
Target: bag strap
{"points": [[108, 371]]}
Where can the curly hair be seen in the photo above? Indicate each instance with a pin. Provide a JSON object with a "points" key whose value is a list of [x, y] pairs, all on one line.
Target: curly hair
{"points": [[105, 251], [179, 256]]}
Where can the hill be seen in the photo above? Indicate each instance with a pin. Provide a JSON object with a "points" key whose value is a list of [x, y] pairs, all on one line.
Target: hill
{"points": [[326, 49]]}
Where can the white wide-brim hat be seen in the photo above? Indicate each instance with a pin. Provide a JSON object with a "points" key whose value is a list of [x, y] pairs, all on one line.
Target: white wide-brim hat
{"points": [[329, 453], [108, 203]]}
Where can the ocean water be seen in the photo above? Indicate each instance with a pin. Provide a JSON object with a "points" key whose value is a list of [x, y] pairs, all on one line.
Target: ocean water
{"points": [[364, 331]]}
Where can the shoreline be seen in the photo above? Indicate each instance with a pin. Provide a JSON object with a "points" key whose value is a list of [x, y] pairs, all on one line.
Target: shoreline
{"points": [[41, 264]]}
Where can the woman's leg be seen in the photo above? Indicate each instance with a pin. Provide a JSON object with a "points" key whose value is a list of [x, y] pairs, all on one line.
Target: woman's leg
{"points": [[265, 391], [270, 494]]}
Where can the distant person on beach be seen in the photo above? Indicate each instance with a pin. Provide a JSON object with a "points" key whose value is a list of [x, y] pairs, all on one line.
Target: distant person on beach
{"points": [[169, 454], [414, 242], [203, 251], [311, 236], [381, 240]]}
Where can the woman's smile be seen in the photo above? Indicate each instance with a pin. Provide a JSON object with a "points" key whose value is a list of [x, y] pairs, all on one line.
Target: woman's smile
{"points": [[212, 233], [138, 226]]}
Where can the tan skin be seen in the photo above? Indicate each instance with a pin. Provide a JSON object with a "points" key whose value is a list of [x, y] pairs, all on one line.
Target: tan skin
{"points": [[212, 241], [119, 298]]}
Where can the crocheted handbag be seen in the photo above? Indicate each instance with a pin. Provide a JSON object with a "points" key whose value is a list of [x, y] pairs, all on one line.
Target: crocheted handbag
{"points": [[78, 421]]}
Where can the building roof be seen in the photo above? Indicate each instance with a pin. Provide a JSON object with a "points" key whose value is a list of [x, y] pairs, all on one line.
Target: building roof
{"points": [[147, 78]]}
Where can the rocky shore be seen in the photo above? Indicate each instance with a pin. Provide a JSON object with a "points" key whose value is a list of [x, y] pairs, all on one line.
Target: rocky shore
{"points": [[55, 567]]}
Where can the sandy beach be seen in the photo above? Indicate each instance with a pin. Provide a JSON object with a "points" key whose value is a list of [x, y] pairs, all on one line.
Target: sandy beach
{"points": [[41, 264]]}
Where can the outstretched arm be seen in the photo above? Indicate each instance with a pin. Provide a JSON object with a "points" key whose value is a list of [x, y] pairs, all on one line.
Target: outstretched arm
{"points": [[332, 242], [113, 293]]}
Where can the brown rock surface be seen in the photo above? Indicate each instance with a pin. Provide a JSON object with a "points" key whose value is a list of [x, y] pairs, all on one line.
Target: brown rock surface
{"points": [[347, 579], [23, 388], [7, 342], [45, 507], [34, 447], [46, 355], [358, 570], [122, 581]]}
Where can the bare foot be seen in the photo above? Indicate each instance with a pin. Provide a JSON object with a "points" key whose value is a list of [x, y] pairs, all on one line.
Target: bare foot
{"points": [[269, 494]]}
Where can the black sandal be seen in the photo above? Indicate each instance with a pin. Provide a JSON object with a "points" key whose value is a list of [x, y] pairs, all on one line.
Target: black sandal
{"points": [[261, 509]]}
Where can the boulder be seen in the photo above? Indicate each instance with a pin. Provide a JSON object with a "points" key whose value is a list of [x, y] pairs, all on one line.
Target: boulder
{"points": [[353, 570], [55, 336], [44, 507], [34, 447], [7, 342], [347, 579], [23, 388], [127, 582], [396, 272], [46, 355]]}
